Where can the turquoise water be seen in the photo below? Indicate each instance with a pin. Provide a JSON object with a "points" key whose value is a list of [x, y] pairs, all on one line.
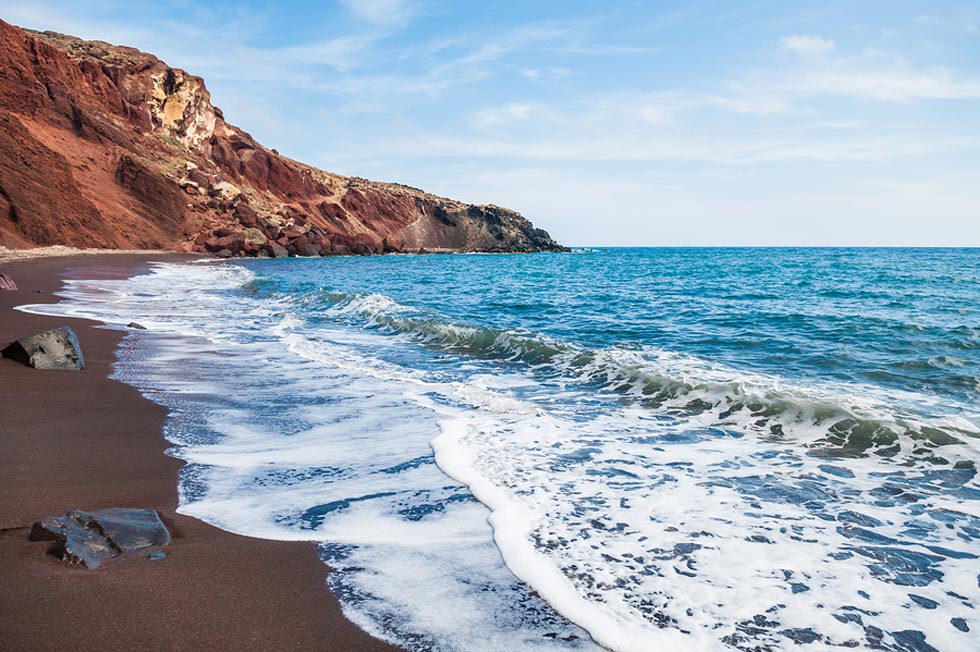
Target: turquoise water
{"points": [[905, 319], [628, 448]]}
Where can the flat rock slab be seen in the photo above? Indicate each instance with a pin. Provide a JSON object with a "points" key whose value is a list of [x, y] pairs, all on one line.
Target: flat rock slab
{"points": [[56, 349], [89, 538]]}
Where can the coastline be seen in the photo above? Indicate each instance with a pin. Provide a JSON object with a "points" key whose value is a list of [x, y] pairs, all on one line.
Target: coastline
{"points": [[81, 440]]}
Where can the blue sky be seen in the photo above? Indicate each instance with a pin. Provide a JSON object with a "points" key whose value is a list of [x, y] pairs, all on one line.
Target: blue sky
{"points": [[622, 123]]}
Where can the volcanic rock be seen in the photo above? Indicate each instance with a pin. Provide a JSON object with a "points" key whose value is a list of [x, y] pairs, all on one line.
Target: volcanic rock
{"points": [[106, 146], [56, 349], [307, 250], [88, 538], [275, 250]]}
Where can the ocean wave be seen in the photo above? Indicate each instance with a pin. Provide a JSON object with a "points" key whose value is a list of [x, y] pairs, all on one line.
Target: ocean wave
{"points": [[831, 419]]}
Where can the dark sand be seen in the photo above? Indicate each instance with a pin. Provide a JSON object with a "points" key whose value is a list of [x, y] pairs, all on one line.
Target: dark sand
{"points": [[80, 440]]}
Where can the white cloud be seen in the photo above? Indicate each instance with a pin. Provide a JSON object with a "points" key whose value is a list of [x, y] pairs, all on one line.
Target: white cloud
{"points": [[340, 53], [655, 115], [871, 75], [928, 20], [502, 115], [381, 12], [608, 50], [894, 83], [611, 143], [808, 44], [750, 102]]}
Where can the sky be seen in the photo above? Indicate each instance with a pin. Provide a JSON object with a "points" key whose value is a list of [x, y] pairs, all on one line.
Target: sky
{"points": [[619, 123]]}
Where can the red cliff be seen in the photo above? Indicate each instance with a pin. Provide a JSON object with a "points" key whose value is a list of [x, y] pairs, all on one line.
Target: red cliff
{"points": [[107, 146]]}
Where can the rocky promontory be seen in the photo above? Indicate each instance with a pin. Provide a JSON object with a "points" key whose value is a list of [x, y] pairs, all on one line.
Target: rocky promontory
{"points": [[109, 147]]}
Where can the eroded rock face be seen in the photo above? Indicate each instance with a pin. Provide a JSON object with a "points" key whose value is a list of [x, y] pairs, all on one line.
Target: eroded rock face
{"points": [[56, 349], [180, 105], [89, 538], [107, 146]]}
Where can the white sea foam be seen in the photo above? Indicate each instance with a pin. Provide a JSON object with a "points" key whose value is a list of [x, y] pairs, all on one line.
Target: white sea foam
{"points": [[292, 438], [657, 500]]}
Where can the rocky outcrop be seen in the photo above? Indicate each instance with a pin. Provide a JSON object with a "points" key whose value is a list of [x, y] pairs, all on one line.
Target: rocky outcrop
{"points": [[89, 538], [56, 349], [106, 146]]}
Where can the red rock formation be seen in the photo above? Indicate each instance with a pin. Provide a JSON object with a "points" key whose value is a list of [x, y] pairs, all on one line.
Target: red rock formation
{"points": [[106, 146]]}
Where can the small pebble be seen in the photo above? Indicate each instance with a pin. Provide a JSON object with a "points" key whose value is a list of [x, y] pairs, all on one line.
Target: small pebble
{"points": [[158, 554]]}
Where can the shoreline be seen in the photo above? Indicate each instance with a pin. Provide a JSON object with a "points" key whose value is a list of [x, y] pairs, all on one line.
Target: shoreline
{"points": [[82, 440]]}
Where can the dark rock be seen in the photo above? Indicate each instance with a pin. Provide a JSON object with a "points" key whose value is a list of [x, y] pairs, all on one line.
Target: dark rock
{"points": [[245, 215], [56, 349], [73, 542], [233, 242], [392, 244], [89, 538], [275, 250], [134, 325], [202, 179], [365, 245], [307, 250], [266, 225], [128, 529]]}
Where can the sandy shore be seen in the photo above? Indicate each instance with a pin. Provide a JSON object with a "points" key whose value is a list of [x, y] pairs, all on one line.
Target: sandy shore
{"points": [[80, 440]]}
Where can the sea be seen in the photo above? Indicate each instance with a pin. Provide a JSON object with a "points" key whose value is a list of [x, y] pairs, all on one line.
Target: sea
{"points": [[625, 449]]}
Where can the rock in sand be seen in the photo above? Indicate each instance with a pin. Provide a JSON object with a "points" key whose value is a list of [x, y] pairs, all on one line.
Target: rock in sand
{"points": [[89, 538], [56, 349]]}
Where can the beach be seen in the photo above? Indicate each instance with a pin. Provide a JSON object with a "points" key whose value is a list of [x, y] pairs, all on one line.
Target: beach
{"points": [[79, 440]]}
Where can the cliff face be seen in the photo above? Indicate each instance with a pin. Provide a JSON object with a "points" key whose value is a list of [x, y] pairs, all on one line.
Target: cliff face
{"points": [[106, 146]]}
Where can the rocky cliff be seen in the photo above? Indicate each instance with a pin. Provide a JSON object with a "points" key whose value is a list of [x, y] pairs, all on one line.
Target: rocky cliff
{"points": [[106, 146]]}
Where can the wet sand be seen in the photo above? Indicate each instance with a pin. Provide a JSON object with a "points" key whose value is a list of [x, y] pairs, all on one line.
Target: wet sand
{"points": [[80, 440]]}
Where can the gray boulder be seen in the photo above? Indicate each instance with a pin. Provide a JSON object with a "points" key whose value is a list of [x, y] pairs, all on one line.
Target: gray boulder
{"points": [[54, 349], [89, 538]]}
